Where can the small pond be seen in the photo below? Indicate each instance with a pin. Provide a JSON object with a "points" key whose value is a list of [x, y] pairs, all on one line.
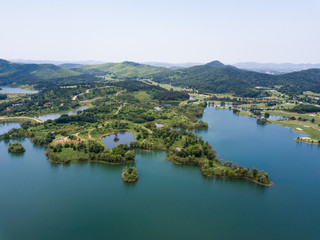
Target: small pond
{"points": [[112, 140], [277, 117]]}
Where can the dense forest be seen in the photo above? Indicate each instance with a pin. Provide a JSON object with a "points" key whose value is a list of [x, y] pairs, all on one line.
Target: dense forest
{"points": [[304, 108]]}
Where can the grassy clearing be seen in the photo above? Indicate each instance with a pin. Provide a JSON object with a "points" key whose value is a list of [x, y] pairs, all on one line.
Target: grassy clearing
{"points": [[83, 135], [69, 155], [257, 105], [142, 96]]}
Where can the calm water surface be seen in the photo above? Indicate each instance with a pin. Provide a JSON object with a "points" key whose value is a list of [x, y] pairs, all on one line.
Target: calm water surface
{"points": [[112, 141], [40, 200], [54, 116], [5, 89], [277, 117]]}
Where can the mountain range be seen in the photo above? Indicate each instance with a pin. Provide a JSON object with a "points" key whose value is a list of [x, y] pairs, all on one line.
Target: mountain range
{"points": [[275, 68], [213, 77]]}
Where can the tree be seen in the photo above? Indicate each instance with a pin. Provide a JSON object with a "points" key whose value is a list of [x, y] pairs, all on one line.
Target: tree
{"points": [[254, 172], [129, 156]]}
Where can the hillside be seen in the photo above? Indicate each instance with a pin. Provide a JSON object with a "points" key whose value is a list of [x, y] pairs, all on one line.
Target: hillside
{"points": [[216, 77], [20, 74], [298, 82], [124, 70]]}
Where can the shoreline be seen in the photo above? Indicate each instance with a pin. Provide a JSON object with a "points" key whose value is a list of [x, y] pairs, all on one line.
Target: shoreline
{"points": [[280, 123], [215, 176]]}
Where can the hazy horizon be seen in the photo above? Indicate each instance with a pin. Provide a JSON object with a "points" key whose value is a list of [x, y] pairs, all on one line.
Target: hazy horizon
{"points": [[90, 61], [161, 31]]}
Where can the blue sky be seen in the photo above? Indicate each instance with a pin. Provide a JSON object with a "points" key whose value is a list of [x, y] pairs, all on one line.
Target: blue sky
{"points": [[164, 31]]}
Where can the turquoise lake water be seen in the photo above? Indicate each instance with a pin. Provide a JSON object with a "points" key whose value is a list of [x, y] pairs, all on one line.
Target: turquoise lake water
{"points": [[40, 200]]}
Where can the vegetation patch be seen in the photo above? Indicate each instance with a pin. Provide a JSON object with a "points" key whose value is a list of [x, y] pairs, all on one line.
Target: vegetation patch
{"points": [[130, 174], [16, 147]]}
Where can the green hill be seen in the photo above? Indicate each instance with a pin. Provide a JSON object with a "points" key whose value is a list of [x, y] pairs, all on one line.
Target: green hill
{"points": [[39, 75], [216, 77], [298, 82], [124, 70], [16, 73]]}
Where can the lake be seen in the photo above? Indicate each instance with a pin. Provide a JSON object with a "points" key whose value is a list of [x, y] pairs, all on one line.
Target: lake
{"points": [[5, 89], [40, 200], [54, 116]]}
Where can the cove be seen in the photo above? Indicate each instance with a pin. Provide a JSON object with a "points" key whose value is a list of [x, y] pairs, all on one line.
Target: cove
{"points": [[40, 200]]}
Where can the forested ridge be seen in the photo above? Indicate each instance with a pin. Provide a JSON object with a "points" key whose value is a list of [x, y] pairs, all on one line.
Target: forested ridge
{"points": [[215, 77]]}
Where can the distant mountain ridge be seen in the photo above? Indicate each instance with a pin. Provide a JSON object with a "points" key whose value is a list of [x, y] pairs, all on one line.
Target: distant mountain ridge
{"points": [[275, 68], [123, 70], [172, 65]]}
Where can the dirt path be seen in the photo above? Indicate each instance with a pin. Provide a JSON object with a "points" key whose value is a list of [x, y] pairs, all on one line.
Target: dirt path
{"points": [[89, 134], [144, 128], [76, 96], [120, 92], [120, 107]]}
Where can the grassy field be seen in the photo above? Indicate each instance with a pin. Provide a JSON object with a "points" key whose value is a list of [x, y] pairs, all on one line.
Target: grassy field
{"points": [[19, 119], [312, 130]]}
